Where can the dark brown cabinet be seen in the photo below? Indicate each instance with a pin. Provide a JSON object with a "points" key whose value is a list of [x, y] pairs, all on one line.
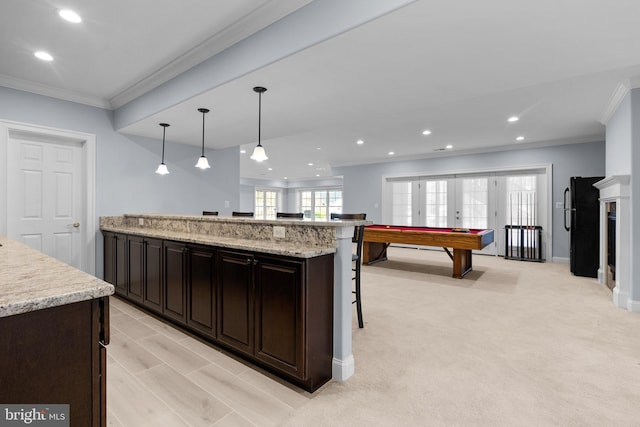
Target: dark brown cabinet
{"points": [[136, 263], [201, 289], [152, 288], [235, 300], [273, 310], [280, 310], [115, 272], [175, 280], [57, 355]]}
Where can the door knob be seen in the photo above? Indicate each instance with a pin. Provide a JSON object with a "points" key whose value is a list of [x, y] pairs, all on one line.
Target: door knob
{"points": [[76, 224]]}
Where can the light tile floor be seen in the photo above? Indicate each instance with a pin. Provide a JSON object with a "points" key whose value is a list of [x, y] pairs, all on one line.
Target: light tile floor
{"points": [[160, 376]]}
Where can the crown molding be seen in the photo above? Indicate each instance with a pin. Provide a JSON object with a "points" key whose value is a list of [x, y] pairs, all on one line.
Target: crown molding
{"points": [[262, 17], [615, 100], [40, 89]]}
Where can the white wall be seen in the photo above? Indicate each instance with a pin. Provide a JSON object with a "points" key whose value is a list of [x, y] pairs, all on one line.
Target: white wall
{"points": [[126, 181], [363, 184], [618, 137], [634, 157]]}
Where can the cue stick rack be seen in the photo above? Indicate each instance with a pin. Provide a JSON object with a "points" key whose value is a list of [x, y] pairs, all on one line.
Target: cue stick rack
{"points": [[523, 237]]}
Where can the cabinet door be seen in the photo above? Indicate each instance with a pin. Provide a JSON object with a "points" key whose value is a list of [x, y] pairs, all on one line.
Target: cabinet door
{"points": [[279, 325], [201, 289], [135, 256], [114, 261], [152, 292], [174, 302], [235, 300], [121, 264], [109, 252]]}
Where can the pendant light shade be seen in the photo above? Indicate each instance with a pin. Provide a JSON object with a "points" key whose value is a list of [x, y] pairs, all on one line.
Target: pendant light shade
{"points": [[203, 163], [162, 168], [259, 154]]}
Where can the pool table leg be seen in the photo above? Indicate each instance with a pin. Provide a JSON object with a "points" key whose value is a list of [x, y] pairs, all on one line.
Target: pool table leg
{"points": [[373, 252], [461, 262]]}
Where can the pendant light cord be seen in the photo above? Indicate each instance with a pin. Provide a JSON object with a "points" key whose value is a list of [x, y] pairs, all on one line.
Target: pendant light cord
{"points": [[164, 131], [203, 113], [259, 117]]}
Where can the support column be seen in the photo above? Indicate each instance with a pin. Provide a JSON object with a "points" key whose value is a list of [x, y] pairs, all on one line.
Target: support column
{"points": [[343, 362]]}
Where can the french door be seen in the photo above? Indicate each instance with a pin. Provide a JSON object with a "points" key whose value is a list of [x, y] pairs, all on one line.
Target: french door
{"points": [[484, 201]]}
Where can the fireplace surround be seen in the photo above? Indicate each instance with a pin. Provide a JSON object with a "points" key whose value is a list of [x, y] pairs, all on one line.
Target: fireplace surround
{"points": [[615, 190]]}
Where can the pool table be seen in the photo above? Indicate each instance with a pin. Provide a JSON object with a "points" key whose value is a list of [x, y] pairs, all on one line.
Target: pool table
{"points": [[378, 237]]}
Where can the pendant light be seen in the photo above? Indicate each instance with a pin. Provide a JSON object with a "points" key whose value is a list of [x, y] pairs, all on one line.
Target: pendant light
{"points": [[258, 153], [162, 168], [202, 161]]}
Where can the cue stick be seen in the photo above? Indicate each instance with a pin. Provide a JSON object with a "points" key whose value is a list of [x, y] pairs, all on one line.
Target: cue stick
{"points": [[530, 208], [528, 225], [510, 225], [520, 221], [525, 214]]}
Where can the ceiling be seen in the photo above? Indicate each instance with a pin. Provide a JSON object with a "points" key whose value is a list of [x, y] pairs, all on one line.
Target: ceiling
{"points": [[459, 69]]}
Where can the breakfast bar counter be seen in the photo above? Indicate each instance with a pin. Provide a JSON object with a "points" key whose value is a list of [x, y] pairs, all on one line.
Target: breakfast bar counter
{"points": [[276, 292]]}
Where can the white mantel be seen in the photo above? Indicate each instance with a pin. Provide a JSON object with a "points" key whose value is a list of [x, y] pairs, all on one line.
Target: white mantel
{"points": [[616, 189]]}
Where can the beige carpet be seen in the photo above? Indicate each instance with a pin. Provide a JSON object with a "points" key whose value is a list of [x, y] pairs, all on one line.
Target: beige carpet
{"points": [[512, 344]]}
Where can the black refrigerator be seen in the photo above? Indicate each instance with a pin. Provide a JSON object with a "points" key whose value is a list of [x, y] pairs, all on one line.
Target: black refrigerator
{"points": [[582, 221]]}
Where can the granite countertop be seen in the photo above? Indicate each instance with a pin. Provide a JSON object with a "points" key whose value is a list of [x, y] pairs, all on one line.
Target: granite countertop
{"points": [[293, 249], [31, 280]]}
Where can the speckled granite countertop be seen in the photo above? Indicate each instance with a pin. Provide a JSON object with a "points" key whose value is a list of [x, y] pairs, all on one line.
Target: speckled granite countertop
{"points": [[31, 280], [303, 239]]}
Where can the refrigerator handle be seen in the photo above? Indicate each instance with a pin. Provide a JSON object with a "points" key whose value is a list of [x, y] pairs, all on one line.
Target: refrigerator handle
{"points": [[566, 191]]}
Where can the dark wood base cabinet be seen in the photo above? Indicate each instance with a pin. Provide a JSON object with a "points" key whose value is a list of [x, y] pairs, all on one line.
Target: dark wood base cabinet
{"points": [[58, 356], [275, 311]]}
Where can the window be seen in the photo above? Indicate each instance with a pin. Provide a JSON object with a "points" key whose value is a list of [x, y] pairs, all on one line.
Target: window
{"points": [[436, 203], [320, 204], [521, 200], [522, 210], [475, 196], [401, 203], [266, 204]]}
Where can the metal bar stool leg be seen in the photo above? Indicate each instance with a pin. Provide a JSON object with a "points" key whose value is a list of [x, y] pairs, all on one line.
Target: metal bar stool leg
{"points": [[358, 295]]}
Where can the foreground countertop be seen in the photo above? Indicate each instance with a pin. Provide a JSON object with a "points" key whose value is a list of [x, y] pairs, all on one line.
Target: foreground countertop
{"points": [[303, 239], [31, 280]]}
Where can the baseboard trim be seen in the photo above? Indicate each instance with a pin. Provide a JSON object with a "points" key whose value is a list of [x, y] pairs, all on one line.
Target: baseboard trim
{"points": [[343, 369], [633, 306]]}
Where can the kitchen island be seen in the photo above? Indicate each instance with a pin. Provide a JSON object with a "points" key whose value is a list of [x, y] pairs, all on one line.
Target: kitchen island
{"points": [[276, 292], [54, 326]]}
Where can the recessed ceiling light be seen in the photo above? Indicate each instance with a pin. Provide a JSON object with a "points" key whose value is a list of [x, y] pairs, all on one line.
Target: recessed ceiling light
{"points": [[310, 164], [426, 132], [359, 142], [69, 15], [391, 153], [449, 147], [513, 119], [43, 55], [317, 174], [269, 169], [286, 177], [520, 138], [243, 151], [318, 148]]}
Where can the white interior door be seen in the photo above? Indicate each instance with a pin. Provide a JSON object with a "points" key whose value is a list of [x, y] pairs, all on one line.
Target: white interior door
{"points": [[45, 197]]}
